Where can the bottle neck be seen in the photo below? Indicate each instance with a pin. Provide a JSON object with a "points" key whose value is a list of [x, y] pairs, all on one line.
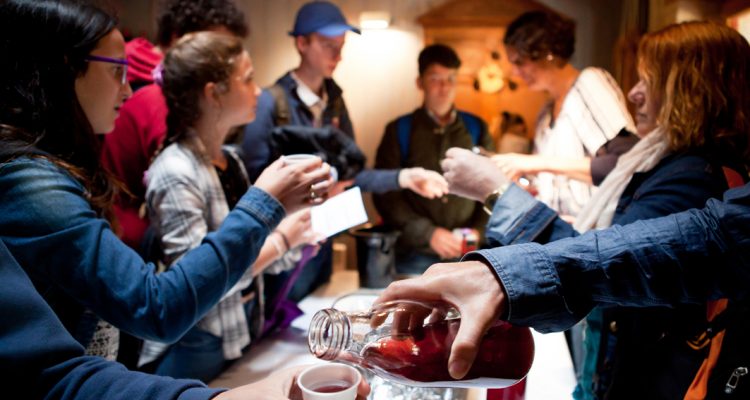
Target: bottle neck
{"points": [[330, 334]]}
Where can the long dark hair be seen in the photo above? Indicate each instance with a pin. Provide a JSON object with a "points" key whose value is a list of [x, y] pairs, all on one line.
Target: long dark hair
{"points": [[43, 44]]}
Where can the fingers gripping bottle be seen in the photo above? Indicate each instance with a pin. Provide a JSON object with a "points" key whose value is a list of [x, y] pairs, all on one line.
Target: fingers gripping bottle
{"points": [[409, 342]]}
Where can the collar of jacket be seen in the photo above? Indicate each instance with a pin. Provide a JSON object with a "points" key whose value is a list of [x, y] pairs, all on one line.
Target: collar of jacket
{"points": [[290, 85]]}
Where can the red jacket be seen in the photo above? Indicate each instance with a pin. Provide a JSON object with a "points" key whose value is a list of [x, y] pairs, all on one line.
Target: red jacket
{"points": [[127, 152]]}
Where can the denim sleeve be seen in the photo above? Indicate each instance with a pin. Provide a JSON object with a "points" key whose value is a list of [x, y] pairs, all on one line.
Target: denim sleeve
{"points": [[95, 378], [378, 180], [37, 354], [55, 235], [519, 218], [532, 286], [687, 257]]}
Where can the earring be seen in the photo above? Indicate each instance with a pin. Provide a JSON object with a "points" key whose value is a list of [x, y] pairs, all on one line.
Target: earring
{"points": [[550, 57]]}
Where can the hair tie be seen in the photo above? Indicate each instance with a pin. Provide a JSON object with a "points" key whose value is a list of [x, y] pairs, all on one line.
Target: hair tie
{"points": [[156, 74]]}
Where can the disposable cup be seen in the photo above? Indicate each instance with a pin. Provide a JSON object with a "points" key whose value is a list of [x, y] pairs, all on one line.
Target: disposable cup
{"points": [[298, 158], [331, 381]]}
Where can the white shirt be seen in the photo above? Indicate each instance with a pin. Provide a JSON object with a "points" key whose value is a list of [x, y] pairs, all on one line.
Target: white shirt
{"points": [[315, 103], [592, 113]]}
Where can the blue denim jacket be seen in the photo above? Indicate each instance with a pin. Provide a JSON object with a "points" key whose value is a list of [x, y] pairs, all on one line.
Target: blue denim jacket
{"points": [[537, 294], [76, 261], [39, 358], [256, 145]]}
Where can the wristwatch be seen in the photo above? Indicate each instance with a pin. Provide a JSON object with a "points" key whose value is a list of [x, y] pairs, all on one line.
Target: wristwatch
{"points": [[489, 202]]}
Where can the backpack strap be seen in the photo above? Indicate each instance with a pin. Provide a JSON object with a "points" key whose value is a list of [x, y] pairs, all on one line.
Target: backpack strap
{"points": [[403, 131], [473, 124], [281, 114], [719, 314]]}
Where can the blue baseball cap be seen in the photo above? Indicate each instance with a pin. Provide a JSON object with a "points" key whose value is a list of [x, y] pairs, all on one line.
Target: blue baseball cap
{"points": [[321, 17]]}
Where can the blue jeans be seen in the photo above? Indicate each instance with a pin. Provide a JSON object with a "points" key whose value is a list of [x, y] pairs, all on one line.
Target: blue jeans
{"points": [[198, 355]]}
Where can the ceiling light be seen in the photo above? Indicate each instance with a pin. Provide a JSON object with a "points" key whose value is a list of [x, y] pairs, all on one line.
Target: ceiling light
{"points": [[374, 19]]}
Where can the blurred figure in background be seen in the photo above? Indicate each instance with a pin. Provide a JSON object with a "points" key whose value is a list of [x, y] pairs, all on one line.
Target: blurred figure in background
{"points": [[309, 96], [128, 150], [420, 139], [586, 109], [195, 181]]}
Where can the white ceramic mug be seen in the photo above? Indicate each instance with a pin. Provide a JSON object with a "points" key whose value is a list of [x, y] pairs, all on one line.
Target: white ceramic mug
{"points": [[331, 381]]}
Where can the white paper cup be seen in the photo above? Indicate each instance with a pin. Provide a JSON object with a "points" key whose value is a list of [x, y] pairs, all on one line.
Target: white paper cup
{"points": [[298, 158], [329, 382]]}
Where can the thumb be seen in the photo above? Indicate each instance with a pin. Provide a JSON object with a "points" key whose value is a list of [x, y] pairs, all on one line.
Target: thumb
{"points": [[465, 347]]}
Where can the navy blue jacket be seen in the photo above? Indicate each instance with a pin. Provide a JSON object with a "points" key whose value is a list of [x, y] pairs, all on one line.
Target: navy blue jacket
{"points": [[75, 259], [688, 257], [40, 359], [677, 183], [256, 145]]}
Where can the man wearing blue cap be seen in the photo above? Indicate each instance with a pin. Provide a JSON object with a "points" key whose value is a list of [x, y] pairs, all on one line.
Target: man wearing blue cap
{"points": [[308, 96]]}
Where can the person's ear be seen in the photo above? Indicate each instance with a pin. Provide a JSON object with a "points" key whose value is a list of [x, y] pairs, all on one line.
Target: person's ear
{"points": [[211, 93], [301, 43], [420, 86]]}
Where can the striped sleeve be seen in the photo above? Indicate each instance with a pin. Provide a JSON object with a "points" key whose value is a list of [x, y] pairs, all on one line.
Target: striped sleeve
{"points": [[597, 109]]}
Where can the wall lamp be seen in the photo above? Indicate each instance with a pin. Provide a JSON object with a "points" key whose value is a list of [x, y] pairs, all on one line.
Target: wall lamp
{"points": [[374, 19]]}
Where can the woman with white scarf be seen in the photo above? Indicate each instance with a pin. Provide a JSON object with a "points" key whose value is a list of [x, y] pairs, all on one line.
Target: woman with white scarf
{"points": [[691, 104]]}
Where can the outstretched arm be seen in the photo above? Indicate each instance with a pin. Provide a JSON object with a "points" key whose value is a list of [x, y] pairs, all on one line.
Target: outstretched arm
{"points": [[687, 257]]}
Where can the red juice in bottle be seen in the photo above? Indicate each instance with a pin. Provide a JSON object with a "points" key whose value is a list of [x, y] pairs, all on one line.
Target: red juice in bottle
{"points": [[418, 355]]}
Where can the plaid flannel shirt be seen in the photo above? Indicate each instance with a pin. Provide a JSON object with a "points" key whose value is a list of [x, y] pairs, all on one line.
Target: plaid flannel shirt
{"points": [[186, 201]]}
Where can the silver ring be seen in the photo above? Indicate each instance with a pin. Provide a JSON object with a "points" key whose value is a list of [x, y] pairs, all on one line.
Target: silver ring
{"points": [[313, 195]]}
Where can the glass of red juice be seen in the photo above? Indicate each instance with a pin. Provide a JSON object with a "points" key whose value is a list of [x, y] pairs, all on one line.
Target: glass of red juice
{"points": [[330, 381]]}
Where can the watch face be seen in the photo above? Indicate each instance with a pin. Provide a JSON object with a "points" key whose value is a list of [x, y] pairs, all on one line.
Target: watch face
{"points": [[489, 202]]}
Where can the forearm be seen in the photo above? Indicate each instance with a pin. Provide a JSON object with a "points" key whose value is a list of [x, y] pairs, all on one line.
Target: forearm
{"points": [[574, 168], [39, 357], [377, 180], [684, 258], [518, 218], [273, 248], [96, 378]]}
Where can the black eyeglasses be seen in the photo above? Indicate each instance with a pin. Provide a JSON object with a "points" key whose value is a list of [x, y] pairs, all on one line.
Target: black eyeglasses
{"points": [[120, 73]]}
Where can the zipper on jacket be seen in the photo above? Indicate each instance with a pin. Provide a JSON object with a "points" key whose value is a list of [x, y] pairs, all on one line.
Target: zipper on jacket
{"points": [[734, 379]]}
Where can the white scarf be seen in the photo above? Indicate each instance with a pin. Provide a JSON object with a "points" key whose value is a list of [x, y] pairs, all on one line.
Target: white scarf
{"points": [[644, 156]]}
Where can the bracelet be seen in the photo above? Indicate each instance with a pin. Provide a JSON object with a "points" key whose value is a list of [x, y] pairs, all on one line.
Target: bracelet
{"points": [[285, 239], [276, 245]]}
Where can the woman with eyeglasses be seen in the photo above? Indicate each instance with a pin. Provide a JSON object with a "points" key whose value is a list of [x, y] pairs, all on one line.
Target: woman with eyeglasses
{"points": [[62, 81]]}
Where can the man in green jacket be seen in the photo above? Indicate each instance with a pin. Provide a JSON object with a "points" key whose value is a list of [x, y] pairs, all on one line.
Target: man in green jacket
{"points": [[420, 139]]}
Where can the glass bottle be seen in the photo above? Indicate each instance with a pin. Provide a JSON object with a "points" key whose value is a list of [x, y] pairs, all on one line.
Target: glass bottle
{"points": [[409, 342]]}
